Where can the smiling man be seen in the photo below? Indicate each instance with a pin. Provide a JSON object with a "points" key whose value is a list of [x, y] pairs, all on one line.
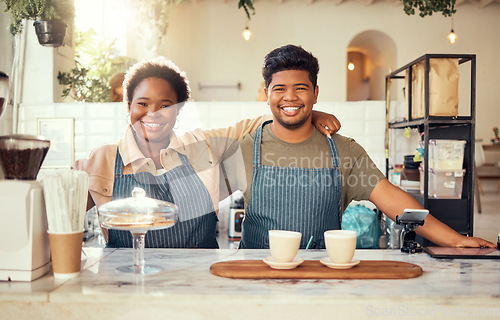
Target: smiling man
{"points": [[301, 180]]}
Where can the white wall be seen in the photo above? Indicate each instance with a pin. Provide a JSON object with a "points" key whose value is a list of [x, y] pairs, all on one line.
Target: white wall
{"points": [[99, 123], [38, 67], [6, 54], [6, 48], [41, 66], [204, 39]]}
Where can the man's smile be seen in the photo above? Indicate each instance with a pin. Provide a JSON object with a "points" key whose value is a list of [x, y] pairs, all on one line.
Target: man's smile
{"points": [[290, 110]]}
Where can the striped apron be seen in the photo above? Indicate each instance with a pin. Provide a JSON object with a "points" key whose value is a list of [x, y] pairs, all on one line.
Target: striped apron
{"points": [[196, 227], [306, 200]]}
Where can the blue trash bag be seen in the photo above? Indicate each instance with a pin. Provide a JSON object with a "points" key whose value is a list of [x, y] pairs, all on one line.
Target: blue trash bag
{"points": [[365, 222]]}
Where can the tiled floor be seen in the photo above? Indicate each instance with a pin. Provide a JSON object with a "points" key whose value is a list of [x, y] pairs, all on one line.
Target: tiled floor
{"points": [[487, 223]]}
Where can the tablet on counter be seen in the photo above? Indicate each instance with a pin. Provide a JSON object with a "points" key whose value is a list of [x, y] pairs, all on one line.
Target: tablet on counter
{"points": [[463, 253]]}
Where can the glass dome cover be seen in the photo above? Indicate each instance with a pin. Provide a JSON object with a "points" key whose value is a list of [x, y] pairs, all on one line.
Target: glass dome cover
{"points": [[138, 203], [138, 212]]}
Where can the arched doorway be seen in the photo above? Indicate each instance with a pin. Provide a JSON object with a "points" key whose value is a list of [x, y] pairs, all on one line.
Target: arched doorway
{"points": [[371, 55]]}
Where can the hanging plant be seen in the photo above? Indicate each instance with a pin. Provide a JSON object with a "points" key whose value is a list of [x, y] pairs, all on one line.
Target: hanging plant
{"points": [[37, 10], [154, 17], [427, 7], [247, 5]]}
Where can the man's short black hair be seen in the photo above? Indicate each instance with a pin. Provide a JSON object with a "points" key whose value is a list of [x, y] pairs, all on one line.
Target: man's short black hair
{"points": [[290, 57]]}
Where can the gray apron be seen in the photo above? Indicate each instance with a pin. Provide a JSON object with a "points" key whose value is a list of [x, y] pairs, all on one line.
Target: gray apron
{"points": [[196, 227], [306, 200]]}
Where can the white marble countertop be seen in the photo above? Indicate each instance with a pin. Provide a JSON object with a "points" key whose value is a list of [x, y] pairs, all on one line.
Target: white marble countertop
{"points": [[448, 289]]}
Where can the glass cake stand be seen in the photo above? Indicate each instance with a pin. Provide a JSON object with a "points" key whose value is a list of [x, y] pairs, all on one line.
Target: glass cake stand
{"points": [[138, 214]]}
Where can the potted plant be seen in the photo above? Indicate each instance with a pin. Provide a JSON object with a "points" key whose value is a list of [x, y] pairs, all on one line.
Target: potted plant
{"points": [[51, 18], [95, 63]]}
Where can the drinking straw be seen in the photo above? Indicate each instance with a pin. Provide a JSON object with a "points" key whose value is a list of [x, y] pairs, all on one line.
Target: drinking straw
{"points": [[309, 243], [81, 197], [65, 194]]}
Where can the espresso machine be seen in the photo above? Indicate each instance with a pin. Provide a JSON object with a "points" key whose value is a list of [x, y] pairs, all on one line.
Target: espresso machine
{"points": [[24, 242]]}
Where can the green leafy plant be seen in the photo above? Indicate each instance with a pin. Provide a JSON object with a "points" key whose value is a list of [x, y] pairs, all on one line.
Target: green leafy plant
{"points": [[427, 7], [154, 15], [247, 5], [95, 63], [81, 87], [37, 9], [155, 12]]}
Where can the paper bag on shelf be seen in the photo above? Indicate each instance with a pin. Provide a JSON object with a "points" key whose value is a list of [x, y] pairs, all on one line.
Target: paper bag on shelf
{"points": [[443, 88]]}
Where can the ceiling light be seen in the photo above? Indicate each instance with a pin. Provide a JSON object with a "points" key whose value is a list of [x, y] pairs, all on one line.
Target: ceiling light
{"points": [[350, 66], [247, 34], [452, 37]]}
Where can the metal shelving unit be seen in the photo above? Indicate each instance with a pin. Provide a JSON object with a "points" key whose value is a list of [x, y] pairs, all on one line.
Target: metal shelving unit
{"points": [[456, 213]]}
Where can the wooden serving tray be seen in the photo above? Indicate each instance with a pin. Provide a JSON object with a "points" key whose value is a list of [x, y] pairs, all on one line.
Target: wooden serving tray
{"points": [[313, 269]]}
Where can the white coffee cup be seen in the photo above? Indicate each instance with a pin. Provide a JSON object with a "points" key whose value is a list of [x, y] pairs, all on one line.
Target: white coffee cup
{"points": [[340, 245], [284, 245]]}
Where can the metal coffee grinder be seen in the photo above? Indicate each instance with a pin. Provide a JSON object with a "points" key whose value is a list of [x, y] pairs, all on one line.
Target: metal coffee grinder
{"points": [[24, 243]]}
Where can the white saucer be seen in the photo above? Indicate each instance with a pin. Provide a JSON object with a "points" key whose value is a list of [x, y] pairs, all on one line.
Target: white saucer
{"points": [[283, 265], [327, 262]]}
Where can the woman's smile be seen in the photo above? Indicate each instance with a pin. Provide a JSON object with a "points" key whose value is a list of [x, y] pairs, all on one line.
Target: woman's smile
{"points": [[152, 126]]}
